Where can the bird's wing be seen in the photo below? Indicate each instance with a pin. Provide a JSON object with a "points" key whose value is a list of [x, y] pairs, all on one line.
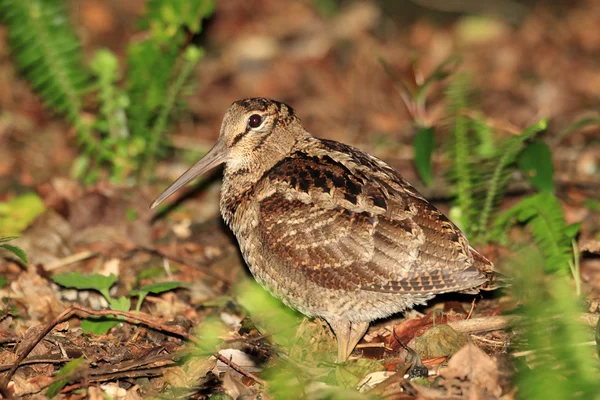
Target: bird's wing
{"points": [[354, 227]]}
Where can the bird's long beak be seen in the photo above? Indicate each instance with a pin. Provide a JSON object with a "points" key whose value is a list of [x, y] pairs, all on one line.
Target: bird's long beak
{"points": [[214, 157]]}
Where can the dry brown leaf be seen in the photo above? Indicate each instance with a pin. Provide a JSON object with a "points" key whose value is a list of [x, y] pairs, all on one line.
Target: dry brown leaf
{"points": [[46, 240], [473, 374], [23, 386], [190, 373], [38, 296]]}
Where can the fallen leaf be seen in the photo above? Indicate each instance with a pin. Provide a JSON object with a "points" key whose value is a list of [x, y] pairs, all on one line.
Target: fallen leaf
{"points": [[473, 374]]}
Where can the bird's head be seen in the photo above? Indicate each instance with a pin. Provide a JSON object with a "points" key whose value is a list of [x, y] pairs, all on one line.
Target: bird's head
{"points": [[255, 134]]}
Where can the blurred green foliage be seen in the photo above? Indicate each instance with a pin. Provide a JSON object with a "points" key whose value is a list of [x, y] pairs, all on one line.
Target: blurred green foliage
{"points": [[423, 145], [559, 365], [127, 131], [18, 213], [63, 375]]}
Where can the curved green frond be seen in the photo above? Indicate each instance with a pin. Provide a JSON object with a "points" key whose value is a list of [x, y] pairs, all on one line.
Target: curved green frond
{"points": [[48, 52]]}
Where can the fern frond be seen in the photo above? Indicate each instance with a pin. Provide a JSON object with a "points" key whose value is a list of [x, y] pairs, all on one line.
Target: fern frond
{"points": [[154, 80], [190, 59], [166, 17], [544, 216], [48, 52], [501, 172], [112, 100], [149, 71], [112, 122], [457, 96]]}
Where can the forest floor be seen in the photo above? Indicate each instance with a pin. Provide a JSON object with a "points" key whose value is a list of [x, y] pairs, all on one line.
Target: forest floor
{"points": [[540, 60]]}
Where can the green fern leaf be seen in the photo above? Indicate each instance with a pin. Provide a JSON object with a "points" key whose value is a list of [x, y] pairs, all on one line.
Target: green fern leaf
{"points": [[463, 171], [48, 52], [504, 165], [544, 216]]}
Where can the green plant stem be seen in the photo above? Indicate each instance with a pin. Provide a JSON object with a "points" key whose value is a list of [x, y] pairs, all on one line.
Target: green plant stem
{"points": [[161, 121], [575, 269], [492, 192], [465, 199]]}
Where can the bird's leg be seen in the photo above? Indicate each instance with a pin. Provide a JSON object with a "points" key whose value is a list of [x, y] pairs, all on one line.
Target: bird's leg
{"points": [[348, 334]]}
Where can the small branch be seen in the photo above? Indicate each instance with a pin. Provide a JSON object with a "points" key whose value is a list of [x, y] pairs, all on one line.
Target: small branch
{"points": [[239, 369], [29, 361], [73, 258], [483, 324]]}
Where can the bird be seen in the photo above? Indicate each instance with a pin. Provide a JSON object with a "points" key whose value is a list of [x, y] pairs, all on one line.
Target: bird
{"points": [[330, 230]]}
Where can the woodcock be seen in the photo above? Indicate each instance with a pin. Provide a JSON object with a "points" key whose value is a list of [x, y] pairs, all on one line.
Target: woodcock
{"points": [[332, 231]]}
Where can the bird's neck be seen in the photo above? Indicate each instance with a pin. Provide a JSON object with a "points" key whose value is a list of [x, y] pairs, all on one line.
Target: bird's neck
{"points": [[241, 176]]}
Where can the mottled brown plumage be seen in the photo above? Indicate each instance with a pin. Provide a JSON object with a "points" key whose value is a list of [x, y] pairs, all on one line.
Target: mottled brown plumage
{"points": [[330, 230]]}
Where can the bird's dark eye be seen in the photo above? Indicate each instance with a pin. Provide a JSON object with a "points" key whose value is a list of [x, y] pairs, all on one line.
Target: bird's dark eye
{"points": [[254, 121]]}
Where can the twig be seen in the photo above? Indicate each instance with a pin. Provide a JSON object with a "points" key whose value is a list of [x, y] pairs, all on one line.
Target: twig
{"points": [[182, 261], [6, 379], [239, 369], [500, 322], [373, 345], [30, 361], [73, 258], [488, 341], [483, 324], [471, 309]]}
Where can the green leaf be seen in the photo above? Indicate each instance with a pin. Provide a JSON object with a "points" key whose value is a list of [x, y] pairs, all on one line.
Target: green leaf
{"points": [[121, 304], [98, 326], [592, 205], [155, 288], [47, 50], [132, 214], [486, 147], [151, 273], [18, 213], [159, 287], [544, 216], [536, 163], [496, 183], [3, 281], [572, 230], [423, 145], [80, 166], [65, 372], [79, 281], [462, 144], [17, 251]]}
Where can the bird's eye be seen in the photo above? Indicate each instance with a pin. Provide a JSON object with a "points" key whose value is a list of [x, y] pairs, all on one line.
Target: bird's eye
{"points": [[254, 121]]}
